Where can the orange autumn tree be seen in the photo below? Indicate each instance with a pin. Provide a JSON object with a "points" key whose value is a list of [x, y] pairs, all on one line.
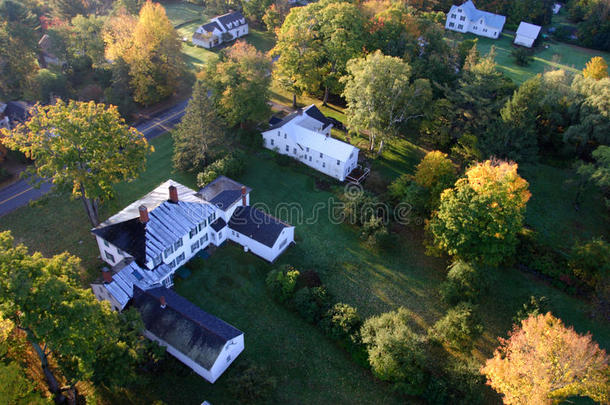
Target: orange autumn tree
{"points": [[544, 361]]}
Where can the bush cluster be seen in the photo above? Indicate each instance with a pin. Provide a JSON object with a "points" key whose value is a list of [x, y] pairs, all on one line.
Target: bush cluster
{"points": [[231, 165]]}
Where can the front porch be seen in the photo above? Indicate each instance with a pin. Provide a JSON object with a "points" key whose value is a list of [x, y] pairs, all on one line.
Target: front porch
{"points": [[358, 174]]}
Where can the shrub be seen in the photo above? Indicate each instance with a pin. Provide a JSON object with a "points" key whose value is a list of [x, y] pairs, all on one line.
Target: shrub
{"points": [[458, 328], [590, 262], [251, 383], [522, 56], [281, 283], [396, 353], [342, 323], [534, 307], [358, 208], [459, 383], [372, 230], [231, 165], [311, 303], [463, 284]]}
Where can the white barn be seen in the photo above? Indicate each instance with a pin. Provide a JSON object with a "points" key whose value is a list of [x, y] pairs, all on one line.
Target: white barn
{"points": [[149, 240], [204, 343], [305, 136], [527, 34], [211, 34], [467, 18]]}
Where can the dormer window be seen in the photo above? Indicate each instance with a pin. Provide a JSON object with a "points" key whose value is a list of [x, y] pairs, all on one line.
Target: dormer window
{"points": [[229, 25], [168, 251], [178, 244]]}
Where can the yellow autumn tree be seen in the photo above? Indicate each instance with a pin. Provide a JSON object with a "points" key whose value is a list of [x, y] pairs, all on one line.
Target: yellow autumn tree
{"points": [[151, 48], [543, 361], [596, 68]]}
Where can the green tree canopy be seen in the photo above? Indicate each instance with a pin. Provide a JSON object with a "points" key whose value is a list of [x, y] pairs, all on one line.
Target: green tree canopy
{"points": [[380, 97], [199, 136], [83, 148], [239, 83], [88, 341]]}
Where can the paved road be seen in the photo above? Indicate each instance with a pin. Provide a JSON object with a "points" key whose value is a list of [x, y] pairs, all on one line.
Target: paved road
{"points": [[20, 193]]}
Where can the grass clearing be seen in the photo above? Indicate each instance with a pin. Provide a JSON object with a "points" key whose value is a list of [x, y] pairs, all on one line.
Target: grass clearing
{"points": [[180, 12], [557, 56]]}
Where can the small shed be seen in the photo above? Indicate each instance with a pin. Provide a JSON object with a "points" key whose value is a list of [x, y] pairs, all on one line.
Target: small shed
{"points": [[527, 34]]}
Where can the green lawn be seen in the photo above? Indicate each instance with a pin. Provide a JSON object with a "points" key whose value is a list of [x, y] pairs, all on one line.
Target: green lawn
{"points": [[556, 56], [180, 12]]}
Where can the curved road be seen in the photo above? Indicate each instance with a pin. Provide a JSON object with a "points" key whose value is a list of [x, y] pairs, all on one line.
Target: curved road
{"points": [[21, 192]]}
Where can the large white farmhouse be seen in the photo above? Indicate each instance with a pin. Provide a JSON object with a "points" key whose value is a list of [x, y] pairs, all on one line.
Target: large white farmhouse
{"points": [[305, 135], [527, 34], [466, 18], [149, 240], [232, 25]]}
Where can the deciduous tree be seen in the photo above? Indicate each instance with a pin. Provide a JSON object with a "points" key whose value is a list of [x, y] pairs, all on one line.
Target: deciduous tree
{"points": [[380, 97], [200, 135], [544, 361], [83, 148], [478, 220], [596, 68], [87, 340], [239, 84]]}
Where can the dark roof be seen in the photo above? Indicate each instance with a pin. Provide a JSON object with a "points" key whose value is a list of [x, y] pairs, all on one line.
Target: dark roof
{"points": [[234, 18], [316, 114], [17, 110], [209, 27], [312, 111], [183, 325], [218, 185], [226, 198], [256, 225], [218, 224], [129, 236]]}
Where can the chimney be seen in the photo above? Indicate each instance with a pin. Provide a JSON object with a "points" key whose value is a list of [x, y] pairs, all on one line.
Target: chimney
{"points": [[173, 194], [243, 196], [162, 300], [107, 276], [143, 214]]}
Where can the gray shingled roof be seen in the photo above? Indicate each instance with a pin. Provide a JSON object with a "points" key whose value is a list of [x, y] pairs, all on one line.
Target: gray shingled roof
{"points": [[226, 198], [257, 225], [186, 327], [311, 111], [209, 27], [236, 18]]}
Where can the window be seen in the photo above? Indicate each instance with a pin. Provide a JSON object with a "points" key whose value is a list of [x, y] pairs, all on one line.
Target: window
{"points": [[119, 251], [228, 358], [283, 243], [474, 28], [450, 24], [484, 29], [453, 16], [212, 217], [178, 244], [321, 155], [495, 33], [460, 27], [180, 258], [310, 158], [287, 148], [109, 256], [462, 18], [278, 133], [167, 282], [172, 264], [338, 162], [201, 226], [169, 251], [194, 247], [220, 235], [323, 164], [203, 239], [193, 232], [284, 136], [272, 142], [307, 149], [106, 243], [459, 10], [294, 150], [157, 261]]}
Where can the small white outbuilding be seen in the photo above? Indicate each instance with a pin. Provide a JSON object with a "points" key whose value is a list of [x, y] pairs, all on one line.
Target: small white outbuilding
{"points": [[527, 34]]}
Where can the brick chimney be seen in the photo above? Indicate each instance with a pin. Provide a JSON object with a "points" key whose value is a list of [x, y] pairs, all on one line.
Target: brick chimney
{"points": [[143, 214], [162, 301], [243, 196], [173, 194], [107, 276]]}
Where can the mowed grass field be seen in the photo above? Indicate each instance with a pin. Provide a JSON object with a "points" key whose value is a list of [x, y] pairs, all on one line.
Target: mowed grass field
{"points": [[309, 368], [556, 56]]}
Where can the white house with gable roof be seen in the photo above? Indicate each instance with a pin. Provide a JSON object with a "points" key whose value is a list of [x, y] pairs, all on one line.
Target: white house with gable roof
{"points": [[211, 34], [467, 18], [305, 136]]}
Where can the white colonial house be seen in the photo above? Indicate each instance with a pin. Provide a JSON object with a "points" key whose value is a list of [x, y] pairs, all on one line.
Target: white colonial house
{"points": [[149, 240], [232, 25], [466, 18], [305, 136], [527, 34]]}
